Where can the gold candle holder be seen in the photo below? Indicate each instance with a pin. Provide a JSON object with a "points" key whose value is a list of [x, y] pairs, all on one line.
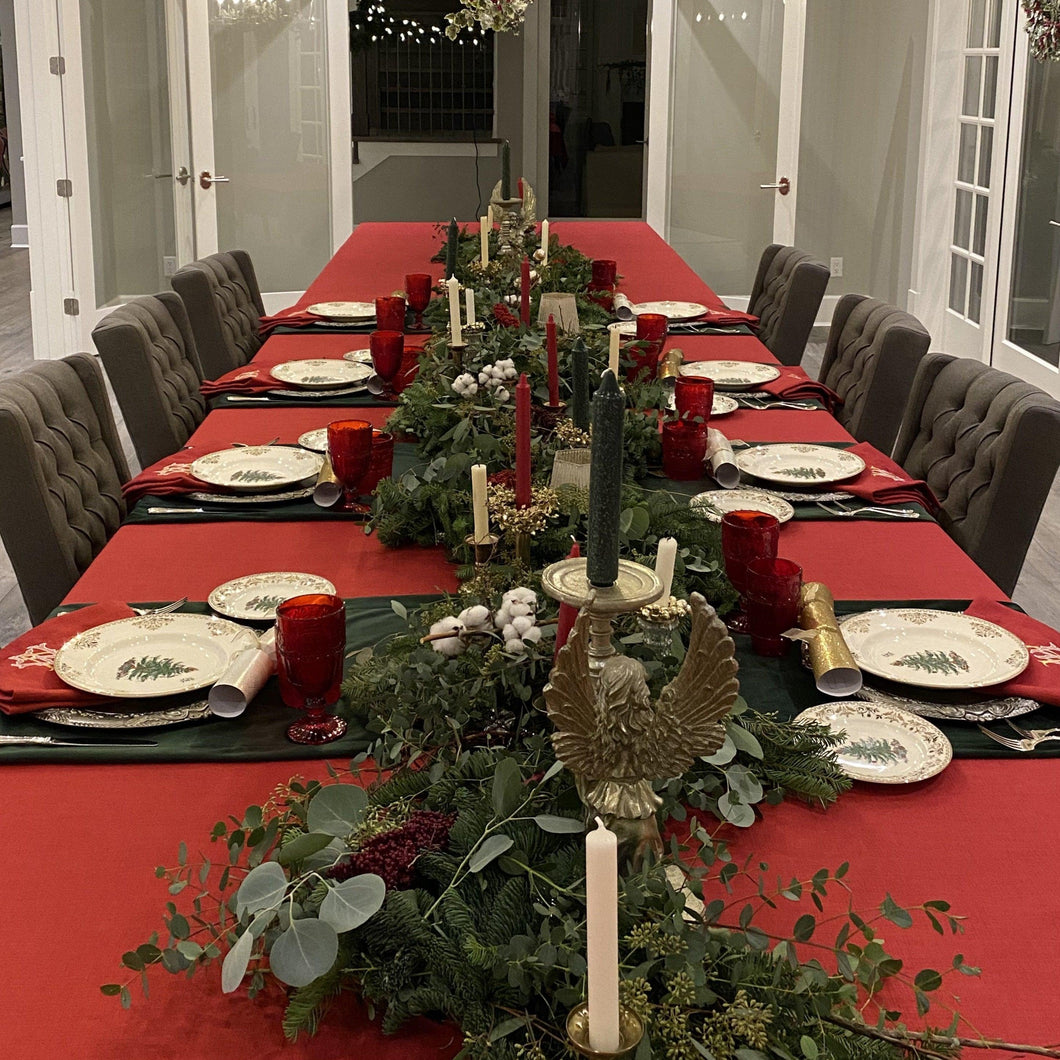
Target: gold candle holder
{"points": [[630, 1032], [483, 550], [521, 541]]}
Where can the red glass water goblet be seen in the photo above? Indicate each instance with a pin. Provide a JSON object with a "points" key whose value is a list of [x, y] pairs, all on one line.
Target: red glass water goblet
{"points": [[418, 292], [746, 536], [350, 450], [310, 648], [694, 399], [388, 349], [772, 603], [684, 448], [604, 272], [390, 313]]}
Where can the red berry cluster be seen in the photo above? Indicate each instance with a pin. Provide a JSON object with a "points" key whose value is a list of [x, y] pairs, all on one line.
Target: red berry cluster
{"points": [[504, 316], [504, 478], [392, 854]]}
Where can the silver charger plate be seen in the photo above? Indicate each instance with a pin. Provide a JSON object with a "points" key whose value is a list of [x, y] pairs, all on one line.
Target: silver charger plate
{"points": [[79, 718], [318, 395], [713, 504], [251, 498], [973, 710]]}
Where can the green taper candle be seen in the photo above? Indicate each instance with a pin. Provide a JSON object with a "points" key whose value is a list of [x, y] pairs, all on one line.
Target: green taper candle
{"points": [[605, 482], [450, 248], [580, 384], [506, 170]]}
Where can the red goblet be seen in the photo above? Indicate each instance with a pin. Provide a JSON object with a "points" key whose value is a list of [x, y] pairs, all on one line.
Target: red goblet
{"points": [[350, 449], [746, 536], [684, 448], [310, 647], [390, 313], [602, 285], [651, 336], [694, 399], [388, 348], [772, 603], [418, 292]]}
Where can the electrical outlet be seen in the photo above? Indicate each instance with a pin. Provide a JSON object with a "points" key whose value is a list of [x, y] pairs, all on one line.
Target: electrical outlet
{"points": [[836, 267], [169, 265]]}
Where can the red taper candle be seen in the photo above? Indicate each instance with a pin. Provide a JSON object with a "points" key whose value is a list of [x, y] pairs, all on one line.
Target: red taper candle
{"points": [[553, 361], [524, 291], [522, 443], [519, 186], [567, 612]]}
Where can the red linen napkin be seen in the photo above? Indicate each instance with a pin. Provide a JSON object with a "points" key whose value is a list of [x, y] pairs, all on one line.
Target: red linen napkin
{"points": [[793, 384], [287, 318], [245, 380], [884, 482], [170, 476], [724, 317], [1041, 679], [27, 679]]}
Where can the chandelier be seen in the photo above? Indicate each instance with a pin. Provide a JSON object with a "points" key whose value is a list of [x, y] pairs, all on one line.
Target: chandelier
{"points": [[252, 12]]}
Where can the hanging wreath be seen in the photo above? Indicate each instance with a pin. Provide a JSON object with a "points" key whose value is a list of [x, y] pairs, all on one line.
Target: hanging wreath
{"points": [[1043, 25]]}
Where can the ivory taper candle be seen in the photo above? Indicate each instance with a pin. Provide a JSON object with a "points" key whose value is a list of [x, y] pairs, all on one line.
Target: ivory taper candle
{"points": [[612, 353], [451, 245], [665, 558], [454, 311], [601, 912], [478, 503], [544, 242], [484, 238], [469, 302]]}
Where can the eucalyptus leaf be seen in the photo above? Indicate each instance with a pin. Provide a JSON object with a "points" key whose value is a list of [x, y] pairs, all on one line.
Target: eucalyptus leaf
{"points": [[302, 846], [350, 903], [337, 810], [723, 755], [736, 813], [492, 848], [559, 825], [745, 741], [304, 952], [507, 787], [262, 888], [236, 961]]}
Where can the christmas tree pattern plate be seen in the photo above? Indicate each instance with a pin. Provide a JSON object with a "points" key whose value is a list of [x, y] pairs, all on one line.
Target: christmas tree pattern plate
{"points": [[933, 649], [673, 310], [343, 310], [800, 464], [152, 655], [257, 468], [321, 373], [883, 745], [316, 440], [358, 356], [733, 375], [256, 596], [714, 504]]}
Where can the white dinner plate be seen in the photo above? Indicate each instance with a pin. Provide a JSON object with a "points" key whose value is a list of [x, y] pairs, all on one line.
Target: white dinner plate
{"points": [[733, 375], [723, 405], [321, 374], [799, 464], [316, 440], [623, 327], [669, 309], [256, 596], [343, 310], [358, 356], [713, 504], [934, 649], [257, 468], [883, 745], [152, 655]]}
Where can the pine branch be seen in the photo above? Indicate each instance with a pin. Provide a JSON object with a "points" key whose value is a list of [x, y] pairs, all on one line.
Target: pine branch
{"points": [[912, 1039]]}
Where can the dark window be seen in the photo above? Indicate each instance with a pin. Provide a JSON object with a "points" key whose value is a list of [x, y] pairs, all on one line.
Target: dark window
{"points": [[410, 81]]}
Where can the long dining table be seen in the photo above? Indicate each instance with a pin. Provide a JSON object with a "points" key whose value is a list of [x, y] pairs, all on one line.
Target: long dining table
{"points": [[82, 840]]}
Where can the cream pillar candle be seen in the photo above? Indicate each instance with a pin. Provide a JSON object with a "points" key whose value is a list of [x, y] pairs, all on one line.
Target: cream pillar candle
{"points": [[484, 236], [612, 354], [601, 908], [544, 241], [478, 503], [469, 302], [454, 311], [664, 565]]}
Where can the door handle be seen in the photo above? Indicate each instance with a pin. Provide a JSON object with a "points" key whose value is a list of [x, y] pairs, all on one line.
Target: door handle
{"points": [[206, 181], [1056, 223], [783, 186], [183, 176]]}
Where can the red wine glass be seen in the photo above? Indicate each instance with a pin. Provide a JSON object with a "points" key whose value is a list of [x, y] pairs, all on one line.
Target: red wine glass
{"points": [[418, 291], [350, 450], [390, 313], [684, 449], [772, 603], [746, 536], [310, 648], [388, 349], [694, 399]]}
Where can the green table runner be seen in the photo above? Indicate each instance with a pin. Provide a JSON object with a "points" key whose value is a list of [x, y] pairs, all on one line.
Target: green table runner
{"points": [[361, 400]]}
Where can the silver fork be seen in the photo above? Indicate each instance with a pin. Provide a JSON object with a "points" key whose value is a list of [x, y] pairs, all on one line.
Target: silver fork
{"points": [[167, 609], [853, 513], [1027, 743]]}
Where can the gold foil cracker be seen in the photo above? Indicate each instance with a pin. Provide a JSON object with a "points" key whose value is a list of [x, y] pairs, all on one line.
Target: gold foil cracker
{"points": [[834, 668]]}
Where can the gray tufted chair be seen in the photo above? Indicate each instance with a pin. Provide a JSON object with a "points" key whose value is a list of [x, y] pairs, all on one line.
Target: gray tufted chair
{"points": [[870, 359], [224, 306], [61, 470], [988, 444], [149, 353], [786, 295]]}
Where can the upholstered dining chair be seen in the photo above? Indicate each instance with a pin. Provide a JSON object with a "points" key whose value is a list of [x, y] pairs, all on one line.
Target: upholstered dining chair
{"points": [[988, 444], [61, 470], [149, 354], [786, 295], [870, 359], [224, 306]]}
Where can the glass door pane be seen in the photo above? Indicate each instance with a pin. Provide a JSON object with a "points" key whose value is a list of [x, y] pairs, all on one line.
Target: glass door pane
{"points": [[271, 137], [133, 195], [726, 107]]}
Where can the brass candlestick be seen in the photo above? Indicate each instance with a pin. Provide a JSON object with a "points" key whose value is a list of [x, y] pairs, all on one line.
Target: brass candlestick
{"points": [[521, 542], [630, 1032], [483, 550]]}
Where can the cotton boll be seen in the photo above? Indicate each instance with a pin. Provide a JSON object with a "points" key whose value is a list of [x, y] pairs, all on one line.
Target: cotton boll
{"points": [[503, 395], [532, 635], [502, 618], [484, 377], [509, 632], [522, 624], [518, 610], [514, 645], [477, 617], [451, 646]]}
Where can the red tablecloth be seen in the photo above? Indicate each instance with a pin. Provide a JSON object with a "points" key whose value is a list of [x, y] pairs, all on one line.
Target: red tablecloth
{"points": [[82, 842]]}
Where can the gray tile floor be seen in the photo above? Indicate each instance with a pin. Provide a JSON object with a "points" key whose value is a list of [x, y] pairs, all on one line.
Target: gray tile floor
{"points": [[1037, 591]]}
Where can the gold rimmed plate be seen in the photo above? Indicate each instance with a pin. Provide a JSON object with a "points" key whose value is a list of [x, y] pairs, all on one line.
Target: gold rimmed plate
{"points": [[342, 311], [257, 468], [321, 373], [732, 375], [255, 597], [800, 464]]}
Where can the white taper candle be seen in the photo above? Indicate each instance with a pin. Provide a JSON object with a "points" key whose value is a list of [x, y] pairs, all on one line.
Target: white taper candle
{"points": [[484, 227], [612, 354], [478, 503], [601, 907], [454, 311], [469, 302], [664, 565], [544, 241]]}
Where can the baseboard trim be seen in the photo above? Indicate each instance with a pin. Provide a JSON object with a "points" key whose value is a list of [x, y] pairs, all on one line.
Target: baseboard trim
{"points": [[20, 237]]}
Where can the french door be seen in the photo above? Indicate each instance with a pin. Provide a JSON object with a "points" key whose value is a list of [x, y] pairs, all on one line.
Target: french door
{"points": [[193, 126]]}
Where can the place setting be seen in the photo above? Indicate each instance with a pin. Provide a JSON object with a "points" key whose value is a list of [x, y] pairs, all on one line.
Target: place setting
{"points": [[760, 386], [686, 318]]}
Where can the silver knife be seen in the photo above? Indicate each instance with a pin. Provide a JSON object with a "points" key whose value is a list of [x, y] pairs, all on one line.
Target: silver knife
{"points": [[72, 741], [174, 511]]}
